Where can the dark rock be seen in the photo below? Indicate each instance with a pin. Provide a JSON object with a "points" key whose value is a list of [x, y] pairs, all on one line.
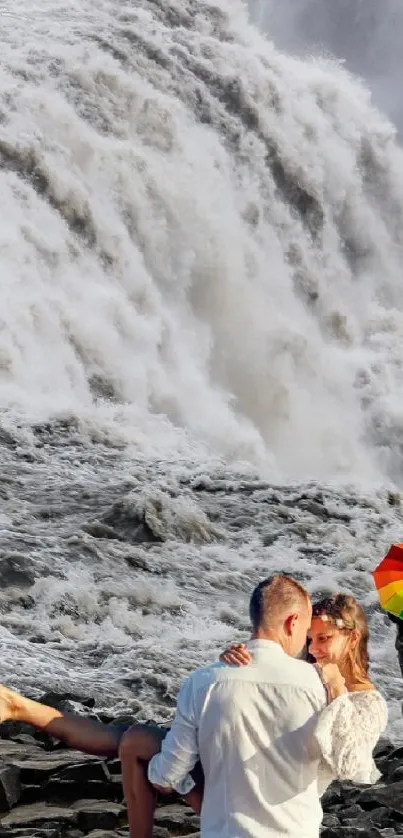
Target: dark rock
{"points": [[10, 750], [32, 794], [129, 523], [58, 700], [350, 812], [190, 835], [7, 439], [101, 833], [114, 766], [331, 797], [27, 832], [383, 748], [61, 792], [139, 562], [351, 832], [380, 817], [178, 819], [396, 775], [329, 820], [339, 794], [16, 569], [36, 770], [10, 788], [387, 763], [98, 814], [390, 796], [39, 814], [99, 530], [26, 740], [92, 769]]}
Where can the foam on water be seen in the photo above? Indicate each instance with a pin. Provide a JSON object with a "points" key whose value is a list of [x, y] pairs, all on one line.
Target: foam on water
{"points": [[200, 228], [200, 256]]}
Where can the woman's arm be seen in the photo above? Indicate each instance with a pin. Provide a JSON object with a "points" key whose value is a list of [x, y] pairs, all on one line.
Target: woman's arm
{"points": [[347, 731]]}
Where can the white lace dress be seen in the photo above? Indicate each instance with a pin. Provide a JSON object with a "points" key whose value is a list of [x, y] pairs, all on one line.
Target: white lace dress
{"points": [[347, 732]]}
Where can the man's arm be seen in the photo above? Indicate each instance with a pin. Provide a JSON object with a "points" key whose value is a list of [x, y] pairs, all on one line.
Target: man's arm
{"points": [[170, 769]]}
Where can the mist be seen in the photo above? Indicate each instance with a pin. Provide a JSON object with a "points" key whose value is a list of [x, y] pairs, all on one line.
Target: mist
{"points": [[366, 34]]}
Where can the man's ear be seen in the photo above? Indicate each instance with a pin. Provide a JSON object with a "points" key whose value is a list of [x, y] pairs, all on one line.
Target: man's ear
{"points": [[289, 624]]}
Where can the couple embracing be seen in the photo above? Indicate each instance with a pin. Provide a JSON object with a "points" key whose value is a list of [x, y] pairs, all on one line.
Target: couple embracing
{"points": [[258, 737]]}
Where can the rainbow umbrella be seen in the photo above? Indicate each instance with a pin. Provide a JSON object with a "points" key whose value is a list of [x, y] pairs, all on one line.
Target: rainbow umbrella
{"points": [[388, 578]]}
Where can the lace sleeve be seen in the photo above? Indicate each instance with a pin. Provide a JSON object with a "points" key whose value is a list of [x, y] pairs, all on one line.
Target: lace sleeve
{"points": [[347, 732]]}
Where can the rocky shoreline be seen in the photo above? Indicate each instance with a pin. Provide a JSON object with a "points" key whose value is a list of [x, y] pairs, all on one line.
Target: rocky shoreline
{"points": [[47, 791]]}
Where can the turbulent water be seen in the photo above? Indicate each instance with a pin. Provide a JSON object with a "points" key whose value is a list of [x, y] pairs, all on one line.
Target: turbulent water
{"points": [[201, 359], [366, 34]]}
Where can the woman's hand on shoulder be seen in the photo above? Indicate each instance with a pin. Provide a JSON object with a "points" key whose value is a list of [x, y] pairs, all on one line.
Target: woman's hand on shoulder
{"points": [[236, 654]]}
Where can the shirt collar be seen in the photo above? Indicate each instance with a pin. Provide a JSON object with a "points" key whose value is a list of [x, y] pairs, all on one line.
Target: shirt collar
{"points": [[266, 644]]}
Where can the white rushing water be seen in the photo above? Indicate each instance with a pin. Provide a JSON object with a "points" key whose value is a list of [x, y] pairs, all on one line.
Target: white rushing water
{"points": [[366, 34], [200, 260]]}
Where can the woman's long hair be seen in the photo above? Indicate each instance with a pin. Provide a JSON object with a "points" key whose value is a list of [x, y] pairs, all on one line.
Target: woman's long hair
{"points": [[347, 614]]}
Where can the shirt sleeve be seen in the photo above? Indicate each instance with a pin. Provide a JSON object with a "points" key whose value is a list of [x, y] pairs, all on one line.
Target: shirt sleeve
{"points": [[180, 750], [347, 731]]}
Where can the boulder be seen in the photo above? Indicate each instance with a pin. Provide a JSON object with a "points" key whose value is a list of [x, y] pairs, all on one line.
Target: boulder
{"points": [[98, 814], [389, 796], [177, 819], [39, 814]]}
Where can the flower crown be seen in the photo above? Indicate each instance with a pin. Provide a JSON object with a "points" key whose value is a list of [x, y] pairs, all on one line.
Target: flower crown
{"points": [[330, 611], [337, 620]]}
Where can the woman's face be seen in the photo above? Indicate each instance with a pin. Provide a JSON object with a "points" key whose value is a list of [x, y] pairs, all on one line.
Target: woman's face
{"points": [[327, 643]]}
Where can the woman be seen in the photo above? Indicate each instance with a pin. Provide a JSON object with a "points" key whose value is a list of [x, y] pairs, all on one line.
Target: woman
{"points": [[338, 644], [338, 640]]}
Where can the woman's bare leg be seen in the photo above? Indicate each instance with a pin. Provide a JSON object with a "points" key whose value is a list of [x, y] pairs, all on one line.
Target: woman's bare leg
{"points": [[76, 732], [139, 744]]}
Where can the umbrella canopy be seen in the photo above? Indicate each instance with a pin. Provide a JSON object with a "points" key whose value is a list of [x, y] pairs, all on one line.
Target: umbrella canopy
{"points": [[388, 578]]}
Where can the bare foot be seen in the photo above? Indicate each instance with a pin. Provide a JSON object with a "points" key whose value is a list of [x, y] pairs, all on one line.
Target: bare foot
{"points": [[9, 704]]}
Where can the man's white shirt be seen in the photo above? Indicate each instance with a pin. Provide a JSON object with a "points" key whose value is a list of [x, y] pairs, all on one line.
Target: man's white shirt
{"points": [[251, 726], [269, 744]]}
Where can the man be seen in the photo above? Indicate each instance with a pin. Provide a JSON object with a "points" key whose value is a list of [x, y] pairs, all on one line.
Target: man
{"points": [[252, 727]]}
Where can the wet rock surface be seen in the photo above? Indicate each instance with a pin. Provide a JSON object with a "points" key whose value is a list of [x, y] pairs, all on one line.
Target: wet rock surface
{"points": [[48, 791]]}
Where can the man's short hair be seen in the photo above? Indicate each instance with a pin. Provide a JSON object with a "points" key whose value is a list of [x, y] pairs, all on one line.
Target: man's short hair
{"points": [[274, 599]]}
